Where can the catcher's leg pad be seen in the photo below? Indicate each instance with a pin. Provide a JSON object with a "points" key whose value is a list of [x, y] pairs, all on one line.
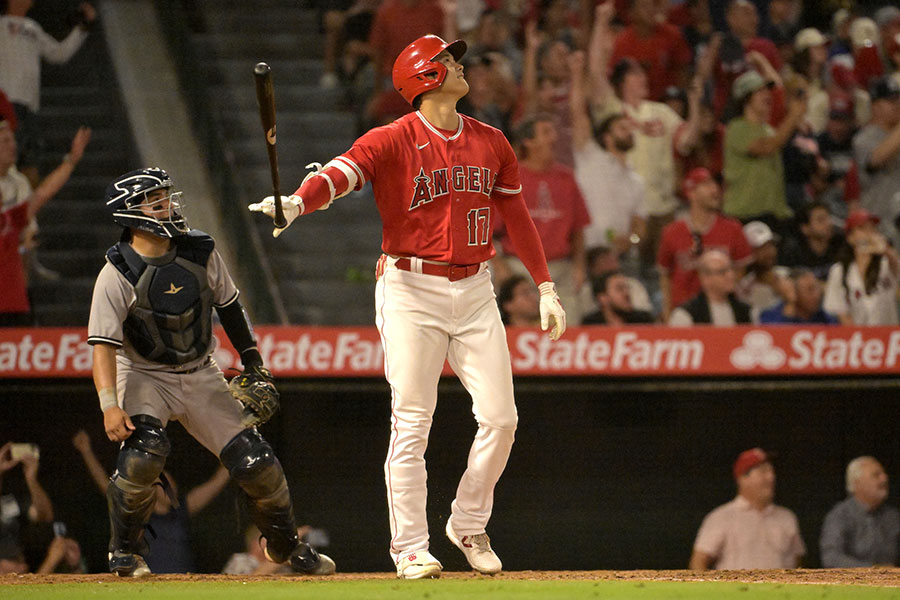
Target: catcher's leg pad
{"points": [[253, 464], [130, 494]]}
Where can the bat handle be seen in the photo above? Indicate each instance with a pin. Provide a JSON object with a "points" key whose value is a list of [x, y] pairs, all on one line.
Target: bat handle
{"points": [[279, 219]]}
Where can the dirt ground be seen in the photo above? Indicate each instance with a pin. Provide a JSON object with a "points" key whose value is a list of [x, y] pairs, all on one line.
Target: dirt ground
{"points": [[886, 577]]}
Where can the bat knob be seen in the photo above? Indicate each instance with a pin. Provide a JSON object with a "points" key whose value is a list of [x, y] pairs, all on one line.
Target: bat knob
{"points": [[261, 68]]}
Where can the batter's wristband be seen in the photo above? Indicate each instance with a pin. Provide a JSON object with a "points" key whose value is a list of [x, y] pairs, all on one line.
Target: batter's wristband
{"points": [[108, 398]]}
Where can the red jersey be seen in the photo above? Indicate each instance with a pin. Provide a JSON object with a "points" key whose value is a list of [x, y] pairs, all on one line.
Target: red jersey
{"points": [[437, 191], [679, 250], [662, 55], [14, 298], [556, 206]]}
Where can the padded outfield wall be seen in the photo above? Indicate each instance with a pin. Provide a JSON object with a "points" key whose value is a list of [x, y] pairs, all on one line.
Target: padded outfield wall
{"points": [[605, 473]]}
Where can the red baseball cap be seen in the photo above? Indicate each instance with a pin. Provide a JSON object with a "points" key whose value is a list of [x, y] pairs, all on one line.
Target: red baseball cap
{"points": [[695, 177], [748, 459], [859, 217]]}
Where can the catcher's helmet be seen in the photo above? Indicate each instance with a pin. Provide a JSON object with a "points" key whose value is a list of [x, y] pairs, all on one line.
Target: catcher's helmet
{"points": [[415, 70], [126, 198]]}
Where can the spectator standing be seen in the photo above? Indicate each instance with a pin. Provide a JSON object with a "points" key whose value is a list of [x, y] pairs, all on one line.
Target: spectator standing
{"points": [[701, 228], [614, 193], [557, 209], [750, 532], [762, 286], [862, 531], [15, 308], [613, 297], [658, 46], [836, 149], [753, 169], [862, 284], [653, 124], [817, 246], [735, 55], [876, 148], [716, 304], [803, 302], [23, 44]]}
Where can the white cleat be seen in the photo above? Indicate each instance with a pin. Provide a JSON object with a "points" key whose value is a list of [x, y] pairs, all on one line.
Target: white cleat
{"points": [[477, 549], [419, 565]]}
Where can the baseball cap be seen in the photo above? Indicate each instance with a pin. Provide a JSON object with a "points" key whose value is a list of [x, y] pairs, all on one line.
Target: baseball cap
{"points": [[695, 177], [859, 217], [748, 83], [758, 233], [749, 459], [886, 15], [884, 88], [840, 105], [807, 38], [864, 32]]}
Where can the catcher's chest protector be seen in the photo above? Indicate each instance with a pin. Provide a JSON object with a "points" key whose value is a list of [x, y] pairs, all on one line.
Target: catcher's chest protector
{"points": [[171, 319]]}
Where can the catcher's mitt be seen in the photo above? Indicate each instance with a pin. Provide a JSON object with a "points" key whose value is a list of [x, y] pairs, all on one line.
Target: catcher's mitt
{"points": [[255, 391]]}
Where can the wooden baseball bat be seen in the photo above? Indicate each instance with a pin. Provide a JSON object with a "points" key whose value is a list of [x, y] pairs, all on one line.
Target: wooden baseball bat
{"points": [[265, 98]]}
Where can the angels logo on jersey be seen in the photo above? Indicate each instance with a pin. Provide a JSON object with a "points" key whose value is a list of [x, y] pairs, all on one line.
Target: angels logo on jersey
{"points": [[460, 178]]}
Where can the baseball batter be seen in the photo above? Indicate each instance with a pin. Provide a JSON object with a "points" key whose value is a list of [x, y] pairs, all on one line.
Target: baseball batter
{"points": [[439, 180], [151, 329]]}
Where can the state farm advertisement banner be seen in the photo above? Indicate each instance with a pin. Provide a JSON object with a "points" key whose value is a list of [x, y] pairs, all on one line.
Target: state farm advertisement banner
{"points": [[638, 351]]}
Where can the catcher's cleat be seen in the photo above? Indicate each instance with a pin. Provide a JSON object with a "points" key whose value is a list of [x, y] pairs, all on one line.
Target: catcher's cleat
{"points": [[419, 565], [126, 564], [306, 560], [477, 549]]}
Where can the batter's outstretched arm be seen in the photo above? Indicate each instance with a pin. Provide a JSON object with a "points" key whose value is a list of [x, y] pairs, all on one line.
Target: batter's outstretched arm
{"points": [[319, 189]]}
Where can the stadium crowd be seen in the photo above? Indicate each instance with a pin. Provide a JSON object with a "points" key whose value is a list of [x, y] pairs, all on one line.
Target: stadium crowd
{"points": [[669, 134]]}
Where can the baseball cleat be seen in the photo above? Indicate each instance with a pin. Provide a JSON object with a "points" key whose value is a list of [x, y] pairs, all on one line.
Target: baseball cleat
{"points": [[477, 549], [419, 565], [306, 560], [126, 564]]}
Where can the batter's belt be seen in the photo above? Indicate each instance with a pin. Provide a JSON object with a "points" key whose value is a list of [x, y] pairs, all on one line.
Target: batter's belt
{"points": [[451, 272]]}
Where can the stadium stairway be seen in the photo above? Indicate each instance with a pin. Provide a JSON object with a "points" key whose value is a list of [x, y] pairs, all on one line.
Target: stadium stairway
{"points": [[325, 263], [75, 229]]}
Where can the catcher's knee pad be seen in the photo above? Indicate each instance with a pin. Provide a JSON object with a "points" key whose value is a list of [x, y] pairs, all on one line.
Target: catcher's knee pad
{"points": [[143, 454], [252, 463]]}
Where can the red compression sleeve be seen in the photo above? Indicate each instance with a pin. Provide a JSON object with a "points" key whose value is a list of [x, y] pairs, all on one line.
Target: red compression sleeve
{"points": [[316, 192], [524, 237]]}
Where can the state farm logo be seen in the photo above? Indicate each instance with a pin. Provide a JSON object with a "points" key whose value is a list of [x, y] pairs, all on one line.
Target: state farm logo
{"points": [[758, 350]]}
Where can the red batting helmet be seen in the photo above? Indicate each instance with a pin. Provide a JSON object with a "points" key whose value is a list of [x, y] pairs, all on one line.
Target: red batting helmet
{"points": [[416, 63]]}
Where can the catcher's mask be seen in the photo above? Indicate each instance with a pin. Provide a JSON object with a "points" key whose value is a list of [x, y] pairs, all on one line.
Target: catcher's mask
{"points": [[132, 203]]}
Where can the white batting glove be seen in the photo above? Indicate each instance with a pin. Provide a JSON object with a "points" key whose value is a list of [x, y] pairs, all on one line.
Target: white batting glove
{"points": [[552, 314], [291, 205]]}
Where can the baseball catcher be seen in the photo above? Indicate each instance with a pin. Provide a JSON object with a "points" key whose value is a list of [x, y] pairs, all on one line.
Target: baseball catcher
{"points": [[151, 331]]}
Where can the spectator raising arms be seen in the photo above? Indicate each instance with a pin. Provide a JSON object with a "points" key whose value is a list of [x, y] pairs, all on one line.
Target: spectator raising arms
{"points": [[15, 309], [23, 43]]}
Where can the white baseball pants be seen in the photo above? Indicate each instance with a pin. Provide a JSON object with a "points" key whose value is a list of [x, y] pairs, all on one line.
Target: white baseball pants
{"points": [[423, 320]]}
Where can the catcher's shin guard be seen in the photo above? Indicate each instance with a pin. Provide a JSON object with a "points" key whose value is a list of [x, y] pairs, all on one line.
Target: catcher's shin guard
{"points": [[130, 493], [252, 463]]}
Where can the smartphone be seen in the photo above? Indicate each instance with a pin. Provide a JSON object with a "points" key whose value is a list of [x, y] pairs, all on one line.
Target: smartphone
{"points": [[18, 451], [60, 529]]}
